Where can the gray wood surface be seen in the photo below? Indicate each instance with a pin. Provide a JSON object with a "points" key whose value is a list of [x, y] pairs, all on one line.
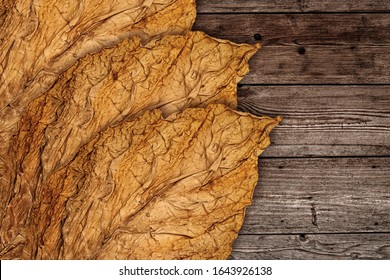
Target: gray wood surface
{"points": [[324, 185], [323, 120], [309, 48], [312, 246], [283, 6]]}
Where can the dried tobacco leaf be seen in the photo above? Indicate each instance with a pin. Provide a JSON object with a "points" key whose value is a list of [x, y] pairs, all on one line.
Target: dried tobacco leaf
{"points": [[91, 172], [153, 188], [102, 89], [171, 74], [41, 39]]}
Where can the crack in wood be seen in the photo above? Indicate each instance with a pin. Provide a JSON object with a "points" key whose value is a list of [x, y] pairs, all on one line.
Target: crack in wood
{"points": [[314, 215]]}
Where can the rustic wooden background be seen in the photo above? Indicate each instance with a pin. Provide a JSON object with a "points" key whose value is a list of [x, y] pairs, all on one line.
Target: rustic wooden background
{"points": [[324, 189]]}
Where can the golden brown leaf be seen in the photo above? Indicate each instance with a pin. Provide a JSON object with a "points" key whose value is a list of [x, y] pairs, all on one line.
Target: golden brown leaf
{"points": [[171, 74], [153, 188], [95, 171], [102, 89], [42, 38]]}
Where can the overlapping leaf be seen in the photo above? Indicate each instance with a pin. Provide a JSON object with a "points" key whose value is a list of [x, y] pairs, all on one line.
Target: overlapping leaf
{"points": [[41, 39], [171, 74], [95, 171], [154, 188], [102, 89]]}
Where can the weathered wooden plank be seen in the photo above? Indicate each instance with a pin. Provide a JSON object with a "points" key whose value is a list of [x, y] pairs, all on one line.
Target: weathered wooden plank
{"points": [[320, 195], [323, 120], [312, 246], [320, 65], [310, 49], [299, 29], [264, 6]]}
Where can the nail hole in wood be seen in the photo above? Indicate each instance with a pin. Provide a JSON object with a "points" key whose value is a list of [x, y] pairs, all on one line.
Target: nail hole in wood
{"points": [[302, 237], [301, 50], [258, 37]]}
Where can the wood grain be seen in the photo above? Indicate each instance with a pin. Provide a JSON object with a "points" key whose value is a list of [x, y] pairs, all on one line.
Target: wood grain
{"points": [[312, 246], [310, 49], [283, 6], [321, 195], [323, 120]]}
